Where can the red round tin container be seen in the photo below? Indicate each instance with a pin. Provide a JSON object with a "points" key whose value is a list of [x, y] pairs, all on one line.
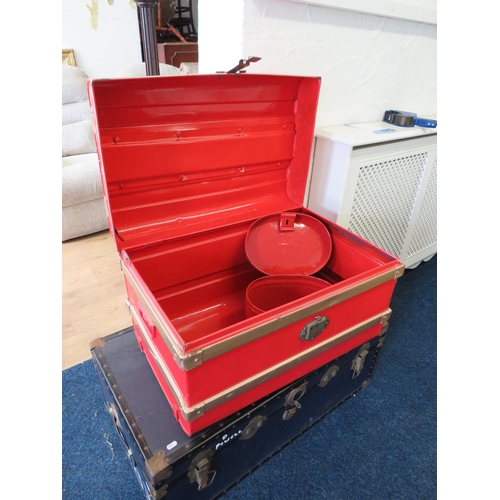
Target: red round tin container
{"points": [[288, 244], [266, 293], [288, 247]]}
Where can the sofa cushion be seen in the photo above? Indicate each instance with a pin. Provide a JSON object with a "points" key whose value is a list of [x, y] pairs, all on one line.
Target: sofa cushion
{"points": [[75, 112], [84, 158], [81, 180], [139, 69], [84, 218], [74, 84], [78, 138]]}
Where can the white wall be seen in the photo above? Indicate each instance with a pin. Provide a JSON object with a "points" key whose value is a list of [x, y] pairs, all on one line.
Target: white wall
{"points": [[112, 45], [220, 42], [367, 63]]}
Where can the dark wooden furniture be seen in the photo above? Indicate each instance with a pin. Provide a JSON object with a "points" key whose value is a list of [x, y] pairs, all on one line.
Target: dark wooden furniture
{"points": [[183, 21], [147, 13], [165, 30], [153, 53], [175, 53]]}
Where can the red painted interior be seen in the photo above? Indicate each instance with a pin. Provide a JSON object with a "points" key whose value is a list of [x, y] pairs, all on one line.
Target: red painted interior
{"points": [[200, 281], [186, 153]]}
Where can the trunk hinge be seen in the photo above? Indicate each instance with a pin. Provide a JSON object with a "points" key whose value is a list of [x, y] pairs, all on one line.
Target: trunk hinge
{"points": [[331, 372], [253, 426], [243, 64]]}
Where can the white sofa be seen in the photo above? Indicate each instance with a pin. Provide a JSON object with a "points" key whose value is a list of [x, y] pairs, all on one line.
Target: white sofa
{"points": [[139, 69], [83, 206]]}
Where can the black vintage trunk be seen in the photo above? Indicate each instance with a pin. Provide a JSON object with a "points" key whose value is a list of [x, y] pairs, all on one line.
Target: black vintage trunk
{"points": [[170, 464]]}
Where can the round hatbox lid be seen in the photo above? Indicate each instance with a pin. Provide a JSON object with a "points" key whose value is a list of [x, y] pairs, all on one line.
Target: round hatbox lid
{"points": [[288, 243]]}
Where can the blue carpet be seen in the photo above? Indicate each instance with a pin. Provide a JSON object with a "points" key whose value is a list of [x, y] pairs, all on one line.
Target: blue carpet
{"points": [[379, 445]]}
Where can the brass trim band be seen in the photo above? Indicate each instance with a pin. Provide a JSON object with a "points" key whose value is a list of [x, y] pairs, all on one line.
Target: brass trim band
{"points": [[192, 413], [189, 413], [184, 361], [290, 318], [190, 360]]}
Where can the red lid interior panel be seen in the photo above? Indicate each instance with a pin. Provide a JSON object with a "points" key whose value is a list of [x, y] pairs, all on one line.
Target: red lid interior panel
{"points": [[183, 154]]}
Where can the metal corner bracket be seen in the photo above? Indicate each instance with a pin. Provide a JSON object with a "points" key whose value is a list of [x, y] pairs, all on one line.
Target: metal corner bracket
{"points": [[158, 466], [400, 270], [99, 342]]}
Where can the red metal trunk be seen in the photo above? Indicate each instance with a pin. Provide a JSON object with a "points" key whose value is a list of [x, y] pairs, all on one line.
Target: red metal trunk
{"points": [[188, 164]]}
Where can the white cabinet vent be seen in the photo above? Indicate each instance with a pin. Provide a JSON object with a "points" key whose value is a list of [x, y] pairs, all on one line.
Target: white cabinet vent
{"points": [[385, 192]]}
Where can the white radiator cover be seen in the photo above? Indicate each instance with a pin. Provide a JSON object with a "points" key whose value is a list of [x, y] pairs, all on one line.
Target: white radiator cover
{"points": [[380, 182]]}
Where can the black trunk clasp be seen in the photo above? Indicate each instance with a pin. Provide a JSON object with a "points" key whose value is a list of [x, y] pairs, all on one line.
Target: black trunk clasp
{"points": [[200, 470]]}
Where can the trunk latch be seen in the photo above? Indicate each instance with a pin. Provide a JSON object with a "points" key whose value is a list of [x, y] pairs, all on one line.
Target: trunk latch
{"points": [[292, 401], [359, 361], [200, 470], [287, 221], [314, 328]]}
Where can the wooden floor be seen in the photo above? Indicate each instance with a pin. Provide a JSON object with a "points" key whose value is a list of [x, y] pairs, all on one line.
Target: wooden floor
{"points": [[93, 295]]}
